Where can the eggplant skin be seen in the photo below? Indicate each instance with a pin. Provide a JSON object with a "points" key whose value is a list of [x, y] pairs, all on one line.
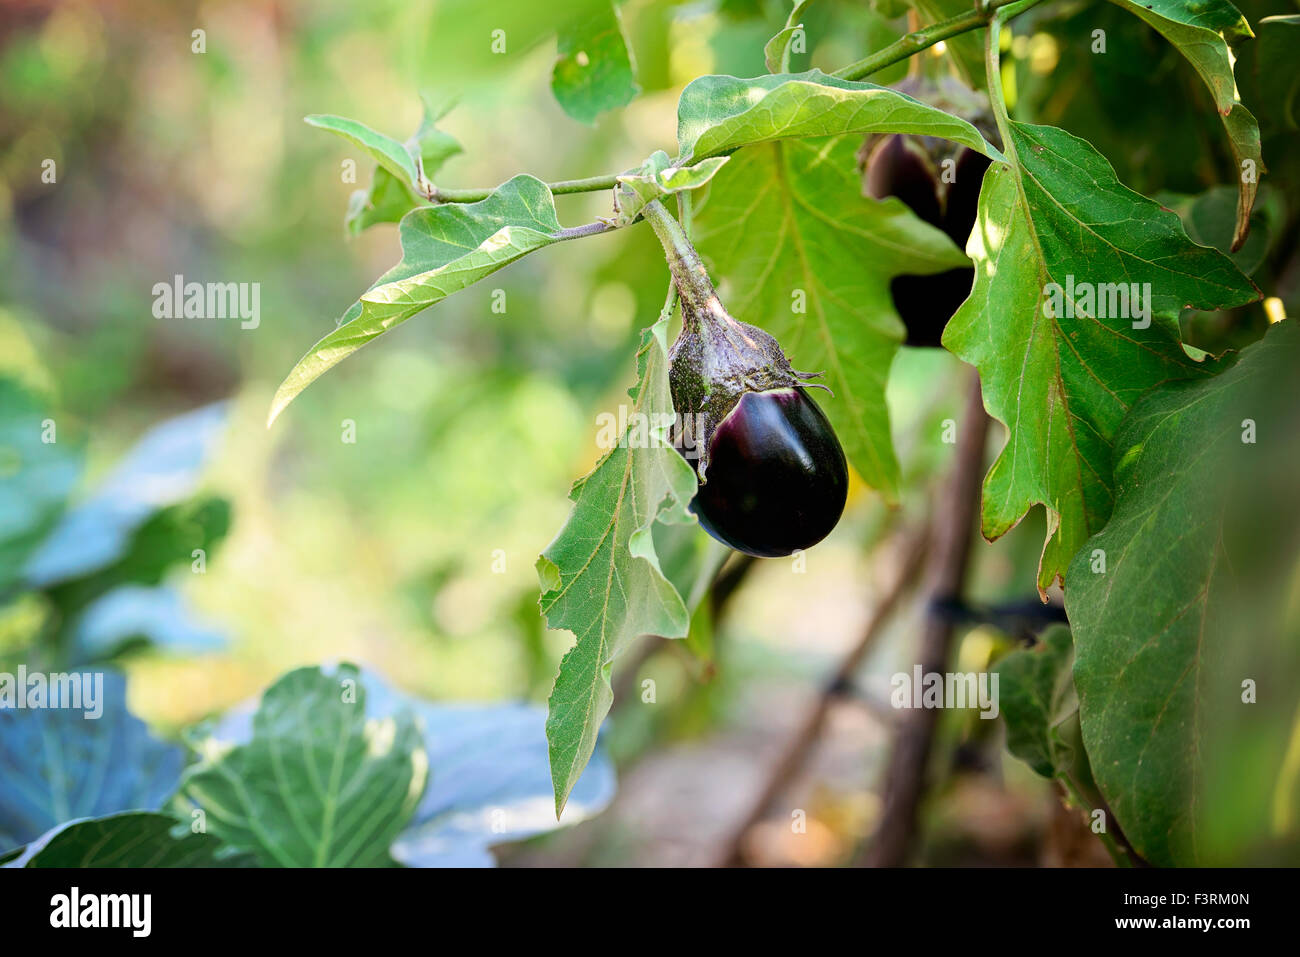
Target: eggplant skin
{"points": [[777, 478]]}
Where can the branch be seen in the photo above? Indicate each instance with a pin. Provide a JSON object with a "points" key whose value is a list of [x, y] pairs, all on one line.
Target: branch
{"points": [[909, 759], [899, 50]]}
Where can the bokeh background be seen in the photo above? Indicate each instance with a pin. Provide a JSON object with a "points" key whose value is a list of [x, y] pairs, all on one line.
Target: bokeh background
{"points": [[411, 549]]}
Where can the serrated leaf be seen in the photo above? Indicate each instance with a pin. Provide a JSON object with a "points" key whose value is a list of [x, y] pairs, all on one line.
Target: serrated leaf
{"points": [[1184, 594], [1057, 214], [804, 255], [719, 114], [658, 177], [776, 52], [57, 764], [444, 249], [319, 783], [131, 839], [1202, 31], [600, 576], [594, 71]]}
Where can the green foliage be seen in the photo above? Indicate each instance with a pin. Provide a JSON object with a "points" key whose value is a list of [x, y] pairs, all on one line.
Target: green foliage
{"points": [[594, 72], [601, 577], [1056, 214], [1175, 603]]}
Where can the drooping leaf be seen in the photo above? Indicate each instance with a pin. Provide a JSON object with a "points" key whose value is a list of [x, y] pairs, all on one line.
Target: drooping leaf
{"points": [[600, 576], [319, 783], [806, 257], [57, 764], [444, 249], [594, 71], [1202, 31], [1185, 598], [776, 52], [1056, 216], [129, 839], [36, 478], [658, 177], [719, 114]]}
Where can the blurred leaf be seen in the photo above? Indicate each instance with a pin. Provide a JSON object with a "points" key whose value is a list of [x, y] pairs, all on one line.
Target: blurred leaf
{"points": [[159, 616], [594, 72], [162, 469], [1159, 628], [444, 249], [807, 257], [657, 178], [318, 783], [57, 764], [776, 53], [966, 50], [1057, 215], [1202, 30], [718, 114], [130, 839], [36, 478], [601, 577]]}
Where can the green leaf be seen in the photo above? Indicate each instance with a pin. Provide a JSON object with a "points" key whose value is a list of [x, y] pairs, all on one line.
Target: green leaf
{"points": [[807, 257], [719, 114], [776, 53], [130, 839], [389, 197], [1057, 215], [444, 249], [658, 177], [600, 576], [1037, 697], [59, 763], [384, 150], [1202, 31], [594, 72], [1188, 591], [318, 784]]}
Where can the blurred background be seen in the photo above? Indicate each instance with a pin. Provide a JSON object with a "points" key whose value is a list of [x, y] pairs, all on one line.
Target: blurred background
{"points": [[393, 515]]}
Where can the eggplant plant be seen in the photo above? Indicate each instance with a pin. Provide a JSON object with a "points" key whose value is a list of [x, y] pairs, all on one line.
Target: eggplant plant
{"points": [[839, 220]]}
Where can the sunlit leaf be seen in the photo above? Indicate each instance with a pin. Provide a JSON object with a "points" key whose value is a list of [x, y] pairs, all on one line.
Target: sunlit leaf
{"points": [[594, 71]]}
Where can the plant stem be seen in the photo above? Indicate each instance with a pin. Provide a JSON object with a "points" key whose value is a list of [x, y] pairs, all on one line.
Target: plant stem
{"points": [[899, 50], [689, 274], [918, 40]]}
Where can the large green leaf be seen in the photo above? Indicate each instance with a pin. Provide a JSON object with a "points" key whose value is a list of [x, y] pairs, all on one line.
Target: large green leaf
{"points": [[1057, 214], [600, 577], [444, 249], [806, 257], [1187, 592], [130, 839], [61, 763], [594, 71], [718, 114], [1202, 30], [319, 783]]}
